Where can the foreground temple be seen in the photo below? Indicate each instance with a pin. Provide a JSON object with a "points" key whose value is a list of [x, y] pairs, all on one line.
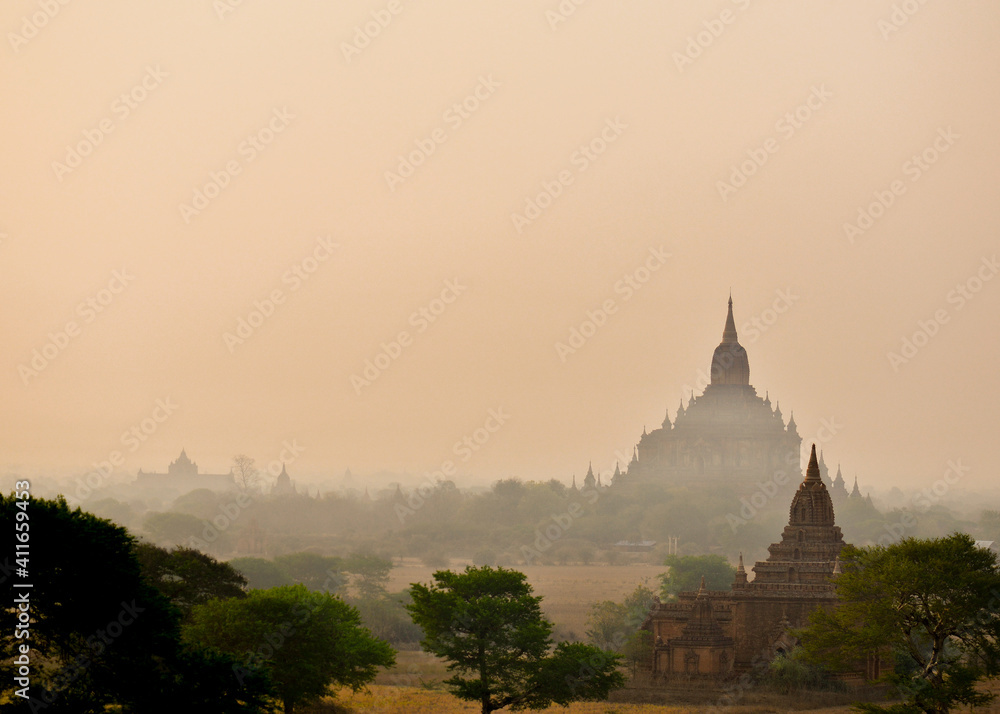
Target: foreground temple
{"points": [[712, 633]]}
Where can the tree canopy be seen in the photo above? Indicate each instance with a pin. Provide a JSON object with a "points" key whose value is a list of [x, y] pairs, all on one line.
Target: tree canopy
{"points": [[686, 571], [188, 577], [304, 640], [97, 625], [487, 624], [931, 604]]}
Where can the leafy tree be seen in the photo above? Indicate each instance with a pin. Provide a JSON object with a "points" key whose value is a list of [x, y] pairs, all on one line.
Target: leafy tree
{"points": [[172, 528], [612, 624], [93, 644], [638, 650], [304, 640], [931, 602], [686, 571], [188, 577], [370, 574], [260, 573], [490, 628], [316, 572]]}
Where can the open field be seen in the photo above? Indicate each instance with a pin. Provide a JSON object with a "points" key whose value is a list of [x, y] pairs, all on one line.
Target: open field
{"points": [[568, 590], [410, 700]]}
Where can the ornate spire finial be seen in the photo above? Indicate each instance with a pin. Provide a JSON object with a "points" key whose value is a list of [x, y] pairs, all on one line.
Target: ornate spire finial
{"points": [[701, 588], [836, 566], [740, 568], [812, 470], [729, 332]]}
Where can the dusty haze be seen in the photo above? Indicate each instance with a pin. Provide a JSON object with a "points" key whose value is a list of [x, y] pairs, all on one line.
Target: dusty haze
{"points": [[674, 117]]}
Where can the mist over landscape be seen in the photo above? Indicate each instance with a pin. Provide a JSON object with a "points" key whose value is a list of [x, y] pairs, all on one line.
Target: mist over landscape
{"points": [[342, 295]]}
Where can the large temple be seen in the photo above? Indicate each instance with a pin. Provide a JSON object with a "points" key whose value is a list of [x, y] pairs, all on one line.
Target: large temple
{"points": [[716, 633], [182, 476], [727, 435]]}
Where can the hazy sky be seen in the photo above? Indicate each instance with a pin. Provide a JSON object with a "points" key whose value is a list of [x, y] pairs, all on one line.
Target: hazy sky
{"points": [[169, 166]]}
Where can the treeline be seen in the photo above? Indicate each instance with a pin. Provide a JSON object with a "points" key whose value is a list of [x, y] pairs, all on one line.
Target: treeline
{"points": [[107, 622], [514, 523]]}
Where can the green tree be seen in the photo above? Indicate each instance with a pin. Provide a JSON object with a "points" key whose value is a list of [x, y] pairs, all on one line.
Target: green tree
{"points": [[611, 624], [369, 574], [686, 571], [316, 572], [933, 603], [188, 577], [638, 650], [172, 528], [490, 628], [93, 646], [304, 640], [261, 573]]}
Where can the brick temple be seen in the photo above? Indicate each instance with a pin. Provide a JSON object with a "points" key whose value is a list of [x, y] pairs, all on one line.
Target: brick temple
{"points": [[716, 633]]}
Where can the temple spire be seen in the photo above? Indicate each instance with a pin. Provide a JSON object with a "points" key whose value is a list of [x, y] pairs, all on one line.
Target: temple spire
{"points": [[740, 568], [812, 470], [729, 333], [701, 588]]}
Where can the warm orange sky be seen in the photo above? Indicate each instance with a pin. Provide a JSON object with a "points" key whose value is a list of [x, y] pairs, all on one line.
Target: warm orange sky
{"points": [[301, 129]]}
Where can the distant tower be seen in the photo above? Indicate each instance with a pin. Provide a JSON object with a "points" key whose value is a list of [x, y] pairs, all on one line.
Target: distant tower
{"points": [[824, 472], [589, 481], [855, 492], [740, 581], [839, 489], [283, 486]]}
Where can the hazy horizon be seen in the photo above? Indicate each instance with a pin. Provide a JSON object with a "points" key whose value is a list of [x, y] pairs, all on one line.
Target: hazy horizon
{"points": [[627, 117]]}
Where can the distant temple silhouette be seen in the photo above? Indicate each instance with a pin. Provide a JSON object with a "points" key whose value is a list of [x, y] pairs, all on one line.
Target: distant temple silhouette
{"points": [[182, 476], [727, 436]]}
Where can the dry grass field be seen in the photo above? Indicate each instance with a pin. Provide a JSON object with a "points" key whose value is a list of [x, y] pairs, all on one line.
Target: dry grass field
{"points": [[567, 590], [409, 700]]}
